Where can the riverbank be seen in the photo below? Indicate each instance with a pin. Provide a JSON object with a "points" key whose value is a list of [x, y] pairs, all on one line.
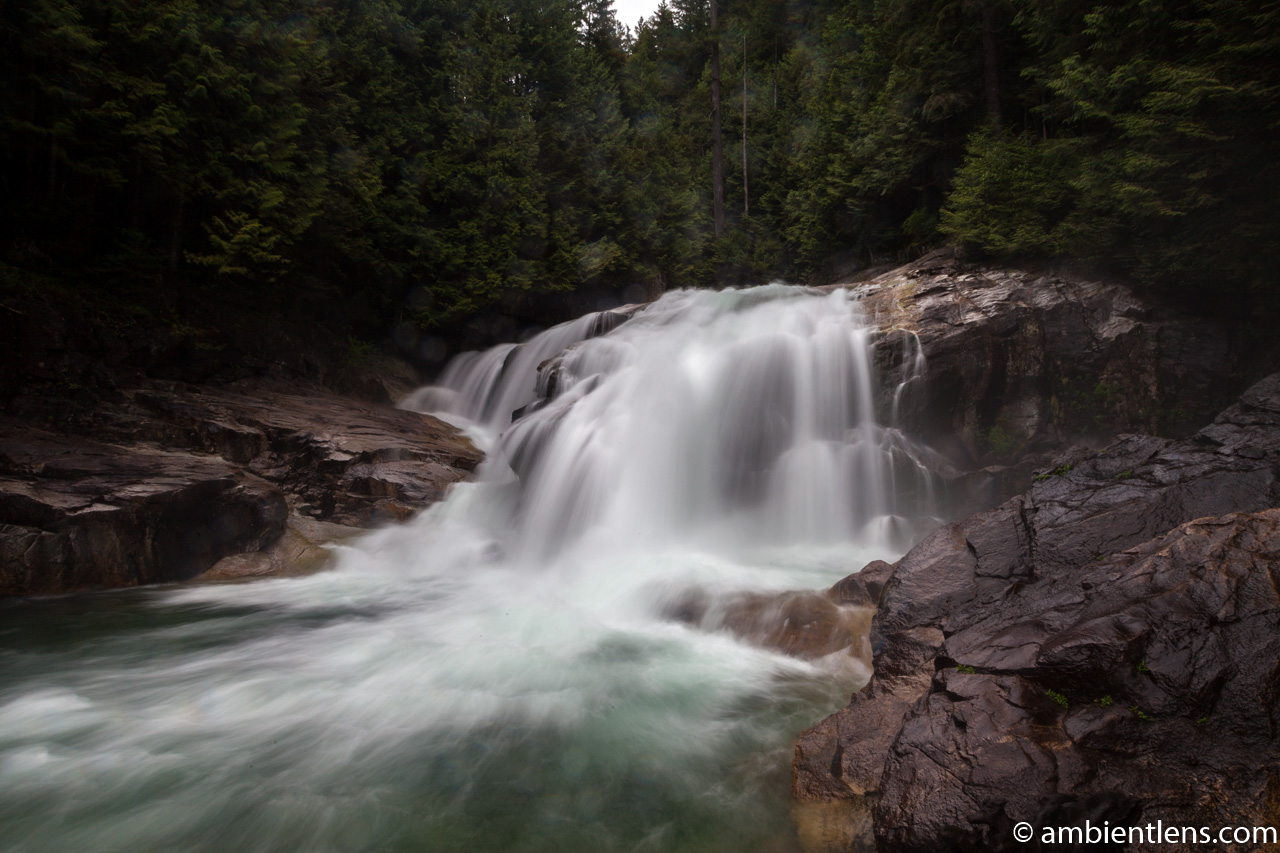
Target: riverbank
{"points": [[136, 450]]}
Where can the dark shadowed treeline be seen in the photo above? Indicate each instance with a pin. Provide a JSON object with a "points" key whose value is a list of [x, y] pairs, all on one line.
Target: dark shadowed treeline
{"points": [[350, 153]]}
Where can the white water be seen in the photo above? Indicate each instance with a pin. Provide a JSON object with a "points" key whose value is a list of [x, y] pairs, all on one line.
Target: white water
{"points": [[498, 674], [482, 389]]}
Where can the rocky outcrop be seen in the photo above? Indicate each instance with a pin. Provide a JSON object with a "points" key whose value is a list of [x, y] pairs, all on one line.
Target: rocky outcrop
{"points": [[555, 373], [1020, 364], [160, 482], [80, 514], [336, 459], [806, 625], [299, 551], [799, 623], [1104, 647]]}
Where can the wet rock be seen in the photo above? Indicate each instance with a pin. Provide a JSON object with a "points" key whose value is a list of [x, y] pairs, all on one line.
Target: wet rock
{"points": [[1106, 646], [1022, 363], [336, 458], [806, 625], [801, 624], [299, 551], [166, 480], [77, 514], [863, 588]]}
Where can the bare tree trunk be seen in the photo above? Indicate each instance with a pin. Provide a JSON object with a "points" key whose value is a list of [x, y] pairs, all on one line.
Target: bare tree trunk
{"points": [[991, 64], [717, 143], [746, 196]]}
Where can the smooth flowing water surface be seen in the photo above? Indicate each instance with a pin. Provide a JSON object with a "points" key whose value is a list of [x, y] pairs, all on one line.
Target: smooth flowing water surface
{"points": [[502, 673]]}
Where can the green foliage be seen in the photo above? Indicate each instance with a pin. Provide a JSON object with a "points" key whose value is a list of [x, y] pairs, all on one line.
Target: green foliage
{"points": [[965, 669], [1057, 697], [1141, 714], [359, 352], [1143, 668], [1125, 474], [1105, 702], [352, 153], [1011, 195], [1056, 472], [1150, 140]]}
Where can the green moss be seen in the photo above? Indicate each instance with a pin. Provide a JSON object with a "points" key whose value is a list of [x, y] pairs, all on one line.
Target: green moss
{"points": [[1056, 472], [1057, 697], [1001, 440], [966, 669]]}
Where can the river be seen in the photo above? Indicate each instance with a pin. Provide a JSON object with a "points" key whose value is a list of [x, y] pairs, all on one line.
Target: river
{"points": [[501, 673]]}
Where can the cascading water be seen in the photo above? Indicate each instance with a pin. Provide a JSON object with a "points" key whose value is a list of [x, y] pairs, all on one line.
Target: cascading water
{"points": [[500, 673], [740, 419], [482, 389]]}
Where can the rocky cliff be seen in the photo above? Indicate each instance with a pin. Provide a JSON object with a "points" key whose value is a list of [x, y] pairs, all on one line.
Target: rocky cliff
{"points": [[161, 482], [1020, 364], [1105, 646]]}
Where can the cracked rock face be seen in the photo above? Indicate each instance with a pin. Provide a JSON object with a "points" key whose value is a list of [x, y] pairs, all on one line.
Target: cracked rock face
{"points": [[335, 458], [80, 514], [165, 481], [1104, 647]]}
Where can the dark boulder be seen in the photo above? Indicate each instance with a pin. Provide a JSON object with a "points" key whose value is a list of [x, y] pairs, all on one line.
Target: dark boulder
{"points": [[1104, 647], [165, 480], [336, 458], [1021, 363], [77, 514], [863, 588]]}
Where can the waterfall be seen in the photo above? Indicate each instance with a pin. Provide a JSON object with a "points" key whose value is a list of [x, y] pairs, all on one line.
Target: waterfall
{"points": [[483, 389], [735, 418], [517, 667]]}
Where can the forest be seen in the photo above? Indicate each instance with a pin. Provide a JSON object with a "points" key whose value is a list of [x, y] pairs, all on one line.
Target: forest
{"points": [[349, 153]]}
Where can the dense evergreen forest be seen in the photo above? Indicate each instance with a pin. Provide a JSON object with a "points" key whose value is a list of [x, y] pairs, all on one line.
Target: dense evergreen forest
{"points": [[356, 152]]}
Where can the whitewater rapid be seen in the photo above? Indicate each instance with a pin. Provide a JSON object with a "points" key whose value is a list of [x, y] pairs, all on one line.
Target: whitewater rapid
{"points": [[500, 673]]}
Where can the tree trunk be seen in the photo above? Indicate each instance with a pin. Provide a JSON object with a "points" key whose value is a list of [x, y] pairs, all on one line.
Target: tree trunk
{"points": [[991, 64], [746, 196], [717, 143]]}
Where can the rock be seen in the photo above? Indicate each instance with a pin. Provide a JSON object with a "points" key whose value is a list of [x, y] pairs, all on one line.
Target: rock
{"points": [[298, 552], [77, 514], [863, 588], [335, 458], [806, 625], [166, 480], [1021, 363], [1125, 702], [556, 373], [1137, 586]]}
